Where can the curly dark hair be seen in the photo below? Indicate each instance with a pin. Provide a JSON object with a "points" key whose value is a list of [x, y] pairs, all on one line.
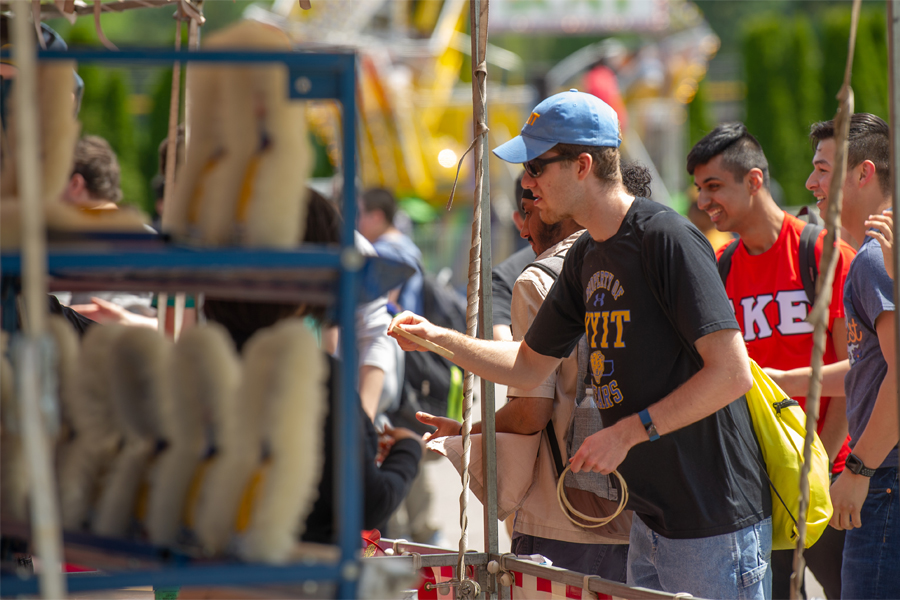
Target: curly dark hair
{"points": [[96, 162]]}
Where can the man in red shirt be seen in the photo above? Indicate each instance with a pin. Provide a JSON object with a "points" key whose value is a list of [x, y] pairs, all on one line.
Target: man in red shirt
{"points": [[766, 290]]}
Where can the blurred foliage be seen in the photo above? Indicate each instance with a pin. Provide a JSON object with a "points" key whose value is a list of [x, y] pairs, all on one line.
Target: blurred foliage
{"points": [[700, 121], [870, 60], [793, 69]]}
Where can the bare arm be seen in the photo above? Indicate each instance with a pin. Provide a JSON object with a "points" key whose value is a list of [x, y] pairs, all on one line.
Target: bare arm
{"points": [[507, 363], [502, 333], [834, 429], [724, 377], [880, 435], [519, 415], [795, 382], [371, 382]]}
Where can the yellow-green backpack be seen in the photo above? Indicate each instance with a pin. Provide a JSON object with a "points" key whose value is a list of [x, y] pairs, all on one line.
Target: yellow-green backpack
{"points": [[780, 426]]}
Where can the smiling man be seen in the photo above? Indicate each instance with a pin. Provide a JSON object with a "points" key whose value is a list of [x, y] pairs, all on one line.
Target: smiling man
{"points": [[668, 365], [865, 496], [766, 290]]}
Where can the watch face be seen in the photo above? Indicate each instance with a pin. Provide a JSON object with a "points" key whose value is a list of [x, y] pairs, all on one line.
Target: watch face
{"points": [[856, 466]]}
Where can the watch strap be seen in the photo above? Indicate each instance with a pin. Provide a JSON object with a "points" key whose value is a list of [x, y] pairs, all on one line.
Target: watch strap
{"points": [[857, 466], [649, 427]]}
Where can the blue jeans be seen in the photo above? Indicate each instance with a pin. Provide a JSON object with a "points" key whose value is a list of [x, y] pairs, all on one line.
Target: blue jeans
{"points": [[606, 560], [732, 565], [872, 552]]}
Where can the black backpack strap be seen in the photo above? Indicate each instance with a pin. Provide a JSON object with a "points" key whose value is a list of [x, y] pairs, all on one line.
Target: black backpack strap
{"points": [[724, 264], [809, 269], [804, 214], [554, 448], [552, 266]]}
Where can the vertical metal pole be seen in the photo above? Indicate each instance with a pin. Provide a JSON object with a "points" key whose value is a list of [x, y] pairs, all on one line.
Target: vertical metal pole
{"points": [[346, 422], [479, 14], [893, 23], [34, 348]]}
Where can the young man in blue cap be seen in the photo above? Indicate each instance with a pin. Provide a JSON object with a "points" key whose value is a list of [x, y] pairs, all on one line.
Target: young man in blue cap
{"points": [[667, 360]]}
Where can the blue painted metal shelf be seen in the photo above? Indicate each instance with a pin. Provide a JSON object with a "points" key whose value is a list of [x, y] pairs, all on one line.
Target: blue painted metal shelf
{"points": [[312, 75], [308, 274]]}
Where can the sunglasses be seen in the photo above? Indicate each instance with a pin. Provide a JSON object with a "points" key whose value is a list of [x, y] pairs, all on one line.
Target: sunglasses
{"points": [[535, 166]]}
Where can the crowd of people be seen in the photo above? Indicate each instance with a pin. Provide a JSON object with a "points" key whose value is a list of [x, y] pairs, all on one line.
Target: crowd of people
{"points": [[665, 337], [620, 303]]}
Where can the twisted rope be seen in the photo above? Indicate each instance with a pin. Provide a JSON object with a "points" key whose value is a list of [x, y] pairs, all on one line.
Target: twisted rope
{"points": [[473, 288], [819, 314]]}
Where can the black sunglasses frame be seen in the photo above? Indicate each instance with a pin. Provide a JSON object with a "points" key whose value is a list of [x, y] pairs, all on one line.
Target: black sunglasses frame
{"points": [[535, 166]]}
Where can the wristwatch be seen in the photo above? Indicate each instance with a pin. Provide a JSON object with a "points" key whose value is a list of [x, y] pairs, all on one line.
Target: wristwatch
{"points": [[855, 465], [648, 425]]}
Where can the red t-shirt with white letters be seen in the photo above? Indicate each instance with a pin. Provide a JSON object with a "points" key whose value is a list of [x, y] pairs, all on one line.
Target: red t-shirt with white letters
{"points": [[766, 293]]}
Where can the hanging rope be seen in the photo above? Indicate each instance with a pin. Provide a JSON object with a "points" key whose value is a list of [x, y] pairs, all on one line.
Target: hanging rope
{"points": [[479, 24], [819, 314], [98, 6]]}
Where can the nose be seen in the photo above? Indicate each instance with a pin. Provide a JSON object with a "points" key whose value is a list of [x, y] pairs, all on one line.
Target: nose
{"points": [[528, 181], [525, 233], [811, 181], [703, 200]]}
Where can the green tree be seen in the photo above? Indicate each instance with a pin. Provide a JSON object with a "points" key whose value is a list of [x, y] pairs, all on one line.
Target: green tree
{"points": [[781, 64], [870, 60], [700, 121]]}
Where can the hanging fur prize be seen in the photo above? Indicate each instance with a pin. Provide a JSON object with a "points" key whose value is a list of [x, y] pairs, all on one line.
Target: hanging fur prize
{"points": [[93, 434], [286, 373], [58, 135], [243, 181], [236, 420], [63, 357], [205, 373], [138, 376], [14, 480]]}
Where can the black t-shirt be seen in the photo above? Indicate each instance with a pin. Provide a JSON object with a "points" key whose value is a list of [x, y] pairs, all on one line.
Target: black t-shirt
{"points": [[703, 479], [503, 278]]}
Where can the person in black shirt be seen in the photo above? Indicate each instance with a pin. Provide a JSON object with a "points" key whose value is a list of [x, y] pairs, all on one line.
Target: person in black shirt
{"points": [[668, 364]]}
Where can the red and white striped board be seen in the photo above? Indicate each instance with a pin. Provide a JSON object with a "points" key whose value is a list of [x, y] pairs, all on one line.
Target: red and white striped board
{"points": [[529, 587]]}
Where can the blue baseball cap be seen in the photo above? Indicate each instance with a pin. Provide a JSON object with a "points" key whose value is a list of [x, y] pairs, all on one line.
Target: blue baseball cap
{"points": [[571, 117]]}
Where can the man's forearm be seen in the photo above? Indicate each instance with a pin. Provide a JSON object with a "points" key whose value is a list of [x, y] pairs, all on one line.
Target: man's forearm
{"points": [[881, 433], [795, 382], [834, 429], [713, 387], [506, 363], [724, 377]]}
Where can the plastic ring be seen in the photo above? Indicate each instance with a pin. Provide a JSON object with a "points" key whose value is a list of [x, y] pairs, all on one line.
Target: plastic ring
{"points": [[569, 510]]}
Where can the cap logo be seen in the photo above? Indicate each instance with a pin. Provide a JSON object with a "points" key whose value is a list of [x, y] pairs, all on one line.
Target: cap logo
{"points": [[534, 117]]}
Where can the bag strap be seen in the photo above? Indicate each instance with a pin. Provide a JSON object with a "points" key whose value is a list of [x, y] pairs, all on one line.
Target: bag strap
{"points": [[554, 448], [809, 270], [552, 265], [724, 266]]}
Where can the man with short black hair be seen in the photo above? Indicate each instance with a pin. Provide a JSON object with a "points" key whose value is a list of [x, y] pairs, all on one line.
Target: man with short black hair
{"points": [[668, 365], [765, 283]]}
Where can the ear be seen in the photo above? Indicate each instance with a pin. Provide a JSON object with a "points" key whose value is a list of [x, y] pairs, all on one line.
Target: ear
{"points": [[754, 180], [865, 172], [76, 188], [584, 164]]}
